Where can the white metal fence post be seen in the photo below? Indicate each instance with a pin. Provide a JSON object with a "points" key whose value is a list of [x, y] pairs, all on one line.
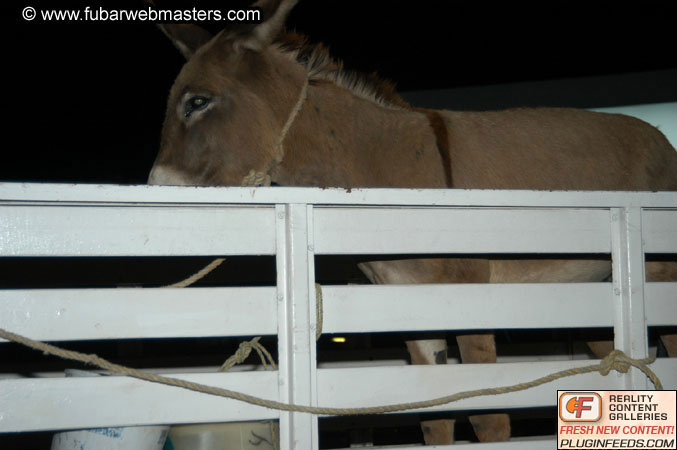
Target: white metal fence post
{"points": [[627, 256], [296, 324]]}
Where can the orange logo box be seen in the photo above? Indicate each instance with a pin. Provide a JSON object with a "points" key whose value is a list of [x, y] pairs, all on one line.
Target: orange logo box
{"points": [[580, 406]]}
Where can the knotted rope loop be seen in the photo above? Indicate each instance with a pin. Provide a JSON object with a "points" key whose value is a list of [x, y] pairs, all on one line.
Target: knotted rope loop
{"points": [[620, 362], [243, 352]]}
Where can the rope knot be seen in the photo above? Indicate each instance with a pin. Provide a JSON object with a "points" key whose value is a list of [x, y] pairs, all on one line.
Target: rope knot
{"points": [[616, 360], [243, 352], [620, 362]]}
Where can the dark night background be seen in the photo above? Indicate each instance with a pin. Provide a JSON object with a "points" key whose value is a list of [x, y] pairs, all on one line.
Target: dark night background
{"points": [[84, 102]]}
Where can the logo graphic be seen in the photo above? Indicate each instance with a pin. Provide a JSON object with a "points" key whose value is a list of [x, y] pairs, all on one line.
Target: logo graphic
{"points": [[577, 404], [580, 407]]}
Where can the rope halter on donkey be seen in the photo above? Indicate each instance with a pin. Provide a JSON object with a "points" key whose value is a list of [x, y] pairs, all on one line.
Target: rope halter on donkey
{"points": [[263, 178]]}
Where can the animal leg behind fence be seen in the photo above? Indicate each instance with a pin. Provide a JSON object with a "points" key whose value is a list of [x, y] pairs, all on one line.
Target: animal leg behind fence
{"points": [[432, 351], [481, 349]]}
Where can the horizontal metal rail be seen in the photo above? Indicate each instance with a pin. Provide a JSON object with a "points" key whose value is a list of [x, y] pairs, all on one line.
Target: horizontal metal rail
{"points": [[295, 224]]}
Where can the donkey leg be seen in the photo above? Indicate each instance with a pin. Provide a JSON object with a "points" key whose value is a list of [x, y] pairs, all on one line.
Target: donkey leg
{"points": [[600, 348], [481, 348], [664, 271], [555, 271], [439, 431], [477, 348], [670, 342], [431, 351], [661, 271]]}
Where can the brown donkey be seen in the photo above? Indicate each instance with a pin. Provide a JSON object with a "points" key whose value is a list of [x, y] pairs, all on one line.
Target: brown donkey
{"points": [[264, 106]]}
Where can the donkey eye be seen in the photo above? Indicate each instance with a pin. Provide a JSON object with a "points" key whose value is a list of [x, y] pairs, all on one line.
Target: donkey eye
{"points": [[196, 104]]}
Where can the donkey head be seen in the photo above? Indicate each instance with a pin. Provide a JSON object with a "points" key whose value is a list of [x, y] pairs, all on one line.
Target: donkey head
{"points": [[229, 104]]}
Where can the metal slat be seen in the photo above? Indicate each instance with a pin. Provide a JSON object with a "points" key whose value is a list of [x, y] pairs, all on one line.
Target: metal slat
{"points": [[135, 231], [80, 314], [70, 403], [359, 309], [393, 385], [661, 303], [450, 230], [110, 193], [373, 386], [659, 231]]}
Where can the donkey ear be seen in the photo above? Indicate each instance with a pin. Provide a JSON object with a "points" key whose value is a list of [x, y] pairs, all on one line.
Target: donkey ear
{"points": [[187, 38], [275, 14]]}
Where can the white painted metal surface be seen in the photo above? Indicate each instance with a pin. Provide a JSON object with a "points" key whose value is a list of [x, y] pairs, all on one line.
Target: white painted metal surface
{"points": [[146, 195], [465, 306], [68, 403], [659, 231], [630, 331], [80, 314], [297, 323], [120, 231], [453, 230], [295, 224]]}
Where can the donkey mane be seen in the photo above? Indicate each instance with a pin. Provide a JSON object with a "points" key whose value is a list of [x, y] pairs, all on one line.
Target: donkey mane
{"points": [[321, 66]]}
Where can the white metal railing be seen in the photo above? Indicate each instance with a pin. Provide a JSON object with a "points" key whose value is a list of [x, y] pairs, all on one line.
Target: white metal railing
{"points": [[295, 224]]}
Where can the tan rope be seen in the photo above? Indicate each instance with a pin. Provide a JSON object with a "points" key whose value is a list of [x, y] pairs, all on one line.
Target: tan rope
{"points": [[290, 120], [244, 348], [620, 362], [319, 311], [243, 352], [262, 177], [198, 275], [616, 360], [273, 435]]}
